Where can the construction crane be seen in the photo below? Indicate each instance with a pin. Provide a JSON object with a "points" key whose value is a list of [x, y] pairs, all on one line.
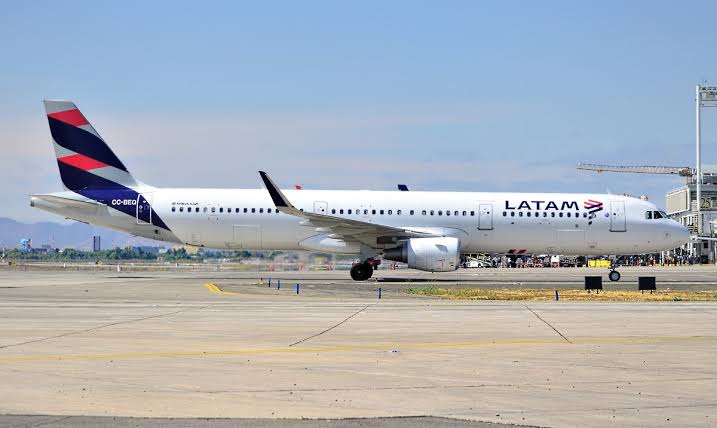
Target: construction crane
{"points": [[682, 171]]}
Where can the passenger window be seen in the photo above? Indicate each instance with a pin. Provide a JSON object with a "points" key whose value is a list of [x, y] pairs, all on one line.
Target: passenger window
{"points": [[560, 214], [268, 210], [214, 209], [261, 210], [253, 210], [205, 209], [373, 212], [448, 212], [181, 209], [349, 211], [245, 210], [568, 214], [365, 212], [512, 213], [464, 213], [174, 209], [440, 212], [221, 210], [432, 212], [552, 214], [423, 212], [398, 212], [528, 214], [520, 214], [455, 213], [505, 214], [545, 214], [585, 215], [341, 211], [333, 210], [473, 213], [410, 212], [390, 212], [381, 212]]}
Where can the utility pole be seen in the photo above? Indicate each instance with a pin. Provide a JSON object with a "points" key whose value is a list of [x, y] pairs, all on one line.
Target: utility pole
{"points": [[706, 96], [698, 166]]}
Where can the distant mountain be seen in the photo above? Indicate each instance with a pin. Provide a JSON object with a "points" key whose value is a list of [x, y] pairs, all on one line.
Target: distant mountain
{"points": [[74, 235]]}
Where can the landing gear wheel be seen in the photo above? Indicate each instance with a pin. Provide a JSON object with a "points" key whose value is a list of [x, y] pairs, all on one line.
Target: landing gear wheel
{"points": [[614, 275], [361, 272]]}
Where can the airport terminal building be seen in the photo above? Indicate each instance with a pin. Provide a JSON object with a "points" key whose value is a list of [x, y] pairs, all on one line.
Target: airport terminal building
{"points": [[681, 205]]}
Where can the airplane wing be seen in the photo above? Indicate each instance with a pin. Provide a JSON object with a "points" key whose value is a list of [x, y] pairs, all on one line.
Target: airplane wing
{"points": [[371, 234]]}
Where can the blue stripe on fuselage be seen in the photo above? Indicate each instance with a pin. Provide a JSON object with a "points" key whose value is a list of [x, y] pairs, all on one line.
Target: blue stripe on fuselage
{"points": [[108, 193]]}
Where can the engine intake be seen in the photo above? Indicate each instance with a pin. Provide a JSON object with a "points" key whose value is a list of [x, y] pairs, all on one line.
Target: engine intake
{"points": [[429, 254]]}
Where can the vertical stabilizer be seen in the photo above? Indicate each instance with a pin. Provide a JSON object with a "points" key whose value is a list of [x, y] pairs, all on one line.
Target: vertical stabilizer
{"points": [[84, 159]]}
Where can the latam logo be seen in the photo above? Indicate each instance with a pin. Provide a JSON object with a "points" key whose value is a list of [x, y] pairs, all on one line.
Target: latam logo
{"points": [[543, 205], [593, 207]]}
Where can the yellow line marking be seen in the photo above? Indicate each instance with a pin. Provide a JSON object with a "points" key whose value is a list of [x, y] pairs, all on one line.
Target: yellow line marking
{"points": [[348, 348], [215, 289]]}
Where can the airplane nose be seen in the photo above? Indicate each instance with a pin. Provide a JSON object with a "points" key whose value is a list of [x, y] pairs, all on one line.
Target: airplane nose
{"points": [[681, 234]]}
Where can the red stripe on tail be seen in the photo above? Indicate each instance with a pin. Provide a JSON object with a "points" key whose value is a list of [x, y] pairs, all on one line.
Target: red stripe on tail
{"points": [[82, 162], [72, 117]]}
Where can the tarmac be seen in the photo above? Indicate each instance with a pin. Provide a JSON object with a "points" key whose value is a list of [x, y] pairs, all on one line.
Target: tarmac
{"points": [[222, 349]]}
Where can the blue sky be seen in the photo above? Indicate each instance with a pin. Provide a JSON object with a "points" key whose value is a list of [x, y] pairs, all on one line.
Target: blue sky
{"points": [[483, 96]]}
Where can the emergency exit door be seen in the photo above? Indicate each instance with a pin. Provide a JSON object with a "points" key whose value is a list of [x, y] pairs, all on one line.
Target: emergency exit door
{"points": [[485, 216], [618, 223], [321, 207]]}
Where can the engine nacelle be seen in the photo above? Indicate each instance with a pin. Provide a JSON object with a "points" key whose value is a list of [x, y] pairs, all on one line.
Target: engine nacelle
{"points": [[430, 254]]}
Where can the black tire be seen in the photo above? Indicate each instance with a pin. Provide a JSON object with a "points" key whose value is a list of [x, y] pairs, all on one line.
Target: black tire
{"points": [[614, 276], [361, 272]]}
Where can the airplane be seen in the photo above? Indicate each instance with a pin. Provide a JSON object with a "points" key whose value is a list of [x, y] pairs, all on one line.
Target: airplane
{"points": [[426, 230]]}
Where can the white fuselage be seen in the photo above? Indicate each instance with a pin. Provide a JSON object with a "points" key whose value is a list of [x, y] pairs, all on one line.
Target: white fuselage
{"points": [[514, 223]]}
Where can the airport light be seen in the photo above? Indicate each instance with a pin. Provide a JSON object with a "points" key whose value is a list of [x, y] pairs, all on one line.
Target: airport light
{"points": [[706, 96]]}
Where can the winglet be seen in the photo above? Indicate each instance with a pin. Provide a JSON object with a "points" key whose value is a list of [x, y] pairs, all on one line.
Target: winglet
{"points": [[281, 201]]}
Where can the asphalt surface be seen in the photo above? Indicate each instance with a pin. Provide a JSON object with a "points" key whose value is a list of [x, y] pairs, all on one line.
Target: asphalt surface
{"points": [[170, 349]]}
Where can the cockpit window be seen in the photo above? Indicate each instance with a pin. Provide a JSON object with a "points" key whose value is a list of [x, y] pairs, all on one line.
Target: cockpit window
{"points": [[654, 215]]}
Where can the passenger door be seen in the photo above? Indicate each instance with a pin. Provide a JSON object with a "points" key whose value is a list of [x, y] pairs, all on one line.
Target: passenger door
{"points": [[618, 222], [485, 216], [144, 209]]}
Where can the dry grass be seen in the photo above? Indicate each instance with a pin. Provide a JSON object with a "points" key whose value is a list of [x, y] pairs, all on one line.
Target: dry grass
{"points": [[566, 295]]}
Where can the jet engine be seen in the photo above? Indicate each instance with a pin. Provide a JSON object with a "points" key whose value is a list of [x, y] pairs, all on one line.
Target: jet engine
{"points": [[429, 254]]}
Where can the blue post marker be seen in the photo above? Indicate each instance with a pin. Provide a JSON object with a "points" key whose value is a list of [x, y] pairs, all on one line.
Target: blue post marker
{"points": [[556, 296], [278, 284], [379, 292], [297, 288]]}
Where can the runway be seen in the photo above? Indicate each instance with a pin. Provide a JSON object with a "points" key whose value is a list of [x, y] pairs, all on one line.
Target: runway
{"points": [[85, 345]]}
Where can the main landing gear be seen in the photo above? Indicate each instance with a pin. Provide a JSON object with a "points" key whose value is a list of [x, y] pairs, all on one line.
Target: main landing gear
{"points": [[363, 271], [614, 275]]}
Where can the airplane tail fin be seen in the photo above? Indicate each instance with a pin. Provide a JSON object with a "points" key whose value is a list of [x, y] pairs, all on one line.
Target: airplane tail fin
{"points": [[84, 159]]}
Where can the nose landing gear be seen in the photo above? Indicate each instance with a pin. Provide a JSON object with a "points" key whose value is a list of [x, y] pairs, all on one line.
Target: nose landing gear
{"points": [[614, 275]]}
